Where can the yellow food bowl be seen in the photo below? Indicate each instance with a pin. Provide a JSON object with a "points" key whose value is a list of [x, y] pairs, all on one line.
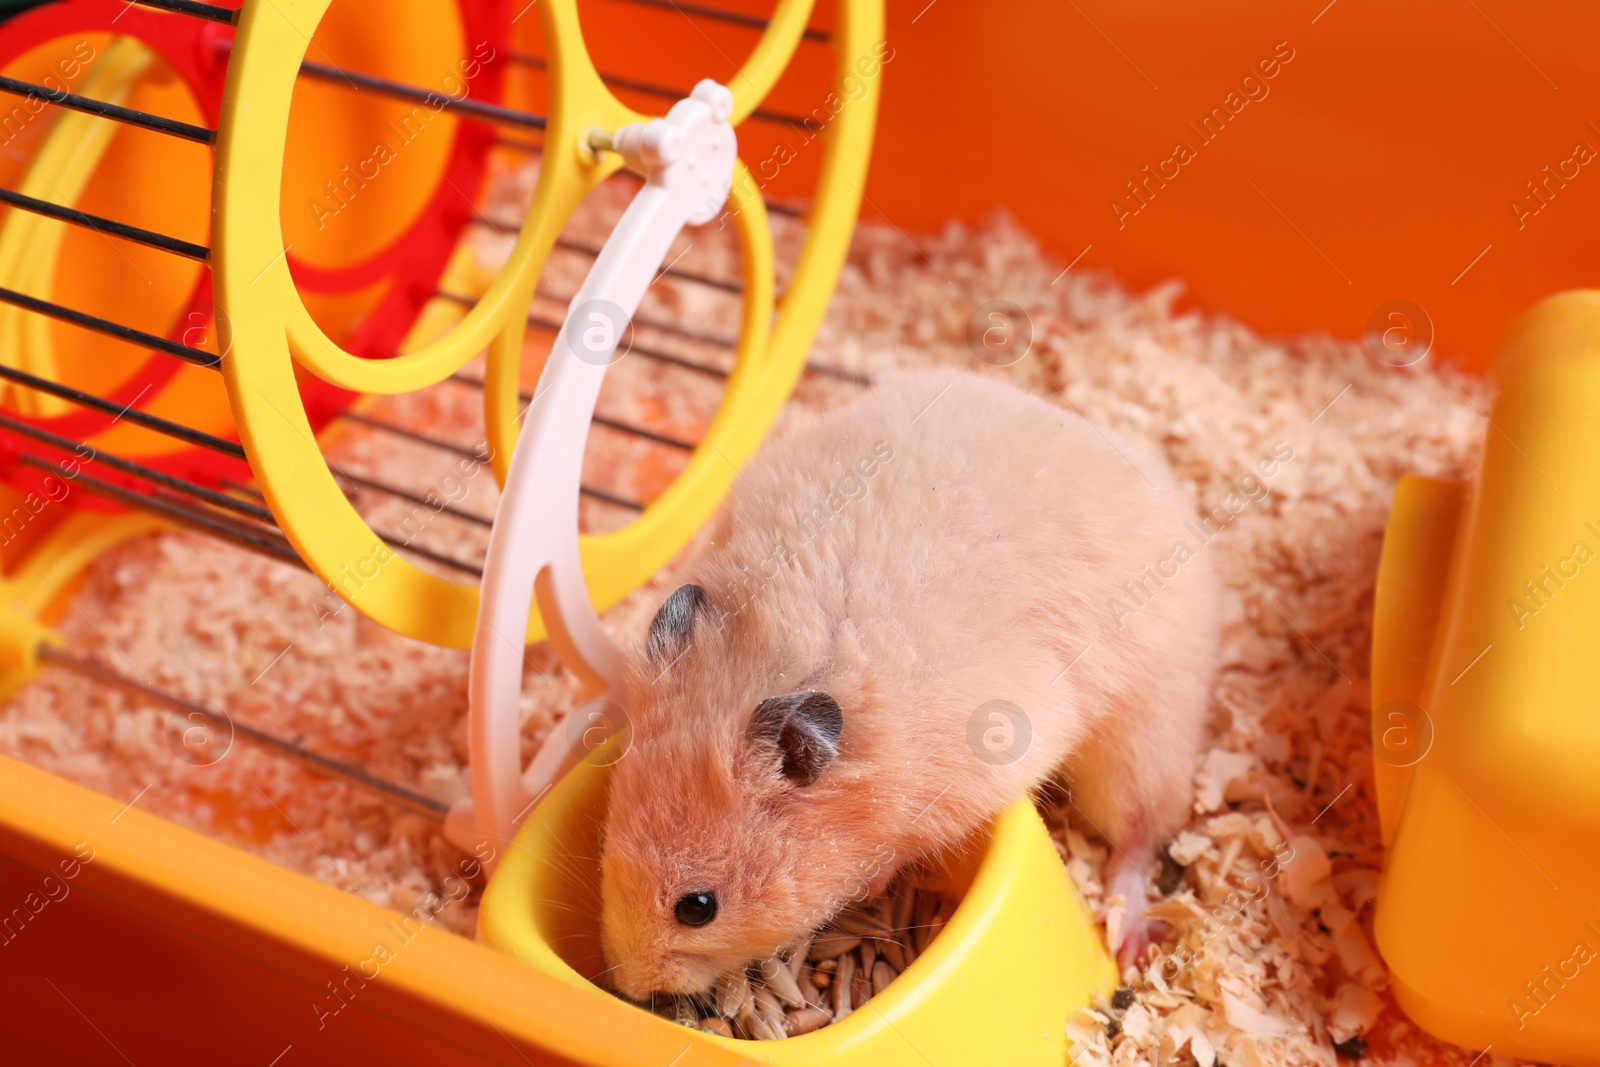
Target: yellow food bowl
{"points": [[1018, 956], [1484, 683]]}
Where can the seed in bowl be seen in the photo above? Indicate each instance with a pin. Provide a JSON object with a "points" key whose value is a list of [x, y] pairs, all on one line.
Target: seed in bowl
{"points": [[847, 963]]}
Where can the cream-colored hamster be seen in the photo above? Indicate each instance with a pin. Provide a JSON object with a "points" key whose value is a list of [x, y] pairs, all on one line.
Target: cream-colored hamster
{"points": [[913, 611]]}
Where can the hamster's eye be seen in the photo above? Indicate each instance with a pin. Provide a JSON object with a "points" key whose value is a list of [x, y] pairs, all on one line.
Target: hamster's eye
{"points": [[696, 909]]}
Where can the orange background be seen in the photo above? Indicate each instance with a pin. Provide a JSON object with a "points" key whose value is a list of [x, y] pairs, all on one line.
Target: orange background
{"points": [[1379, 167]]}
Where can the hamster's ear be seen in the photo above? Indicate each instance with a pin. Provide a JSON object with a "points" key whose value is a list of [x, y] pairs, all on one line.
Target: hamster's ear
{"points": [[674, 623], [804, 727]]}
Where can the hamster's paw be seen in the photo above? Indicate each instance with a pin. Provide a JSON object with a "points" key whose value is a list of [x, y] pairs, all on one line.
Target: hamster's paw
{"points": [[1139, 932], [1133, 935]]}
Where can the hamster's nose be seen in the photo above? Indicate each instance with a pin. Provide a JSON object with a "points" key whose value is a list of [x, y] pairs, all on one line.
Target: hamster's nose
{"points": [[640, 978]]}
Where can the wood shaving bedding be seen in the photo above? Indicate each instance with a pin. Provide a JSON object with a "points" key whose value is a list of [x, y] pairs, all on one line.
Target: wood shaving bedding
{"points": [[1271, 959]]}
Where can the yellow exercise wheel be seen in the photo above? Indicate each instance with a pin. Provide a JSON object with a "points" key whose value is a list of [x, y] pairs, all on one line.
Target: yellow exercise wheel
{"points": [[273, 340]]}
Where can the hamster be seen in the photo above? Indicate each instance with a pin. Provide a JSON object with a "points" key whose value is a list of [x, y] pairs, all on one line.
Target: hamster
{"points": [[912, 612]]}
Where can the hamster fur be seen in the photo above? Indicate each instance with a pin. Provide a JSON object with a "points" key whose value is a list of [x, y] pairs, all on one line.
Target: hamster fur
{"points": [[817, 710]]}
